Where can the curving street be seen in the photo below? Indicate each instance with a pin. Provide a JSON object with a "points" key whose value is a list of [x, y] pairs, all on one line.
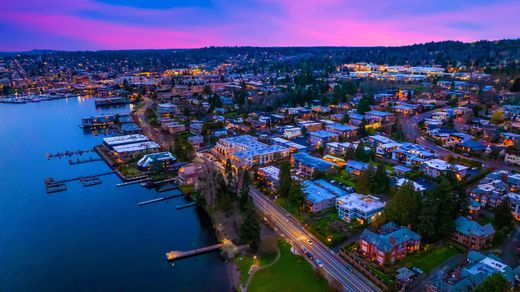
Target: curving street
{"points": [[410, 127], [288, 226]]}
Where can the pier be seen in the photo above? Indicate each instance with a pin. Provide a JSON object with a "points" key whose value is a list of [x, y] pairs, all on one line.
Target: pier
{"points": [[159, 199], [68, 153], [80, 161], [135, 181], [186, 205], [175, 255], [177, 194], [54, 186]]}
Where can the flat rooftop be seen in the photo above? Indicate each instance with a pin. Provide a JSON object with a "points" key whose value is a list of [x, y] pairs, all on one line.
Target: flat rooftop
{"points": [[126, 139]]}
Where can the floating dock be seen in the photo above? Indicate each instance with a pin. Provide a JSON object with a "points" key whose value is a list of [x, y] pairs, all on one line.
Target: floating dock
{"points": [[68, 153], [53, 186], [80, 161], [166, 188], [175, 255]]}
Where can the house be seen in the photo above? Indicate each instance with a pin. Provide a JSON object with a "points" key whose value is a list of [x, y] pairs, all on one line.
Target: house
{"points": [[436, 167], [344, 131], [339, 149], [292, 132], [269, 175], [471, 146], [246, 151], [196, 141], [416, 186], [188, 174], [514, 203], [307, 164], [321, 138], [389, 244], [512, 158], [471, 234], [356, 167], [294, 147], [162, 159], [310, 126], [477, 269], [379, 117], [363, 209], [318, 197]]}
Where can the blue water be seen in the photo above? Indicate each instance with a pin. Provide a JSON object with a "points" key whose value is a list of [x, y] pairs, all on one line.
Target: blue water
{"points": [[87, 238]]}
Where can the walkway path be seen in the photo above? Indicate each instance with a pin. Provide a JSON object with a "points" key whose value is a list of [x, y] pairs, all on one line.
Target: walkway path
{"points": [[255, 269]]}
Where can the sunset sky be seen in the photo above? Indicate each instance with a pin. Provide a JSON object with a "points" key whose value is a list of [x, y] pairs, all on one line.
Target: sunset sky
{"points": [[154, 24]]}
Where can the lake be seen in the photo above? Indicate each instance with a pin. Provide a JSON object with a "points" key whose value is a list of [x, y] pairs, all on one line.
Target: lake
{"points": [[88, 238]]}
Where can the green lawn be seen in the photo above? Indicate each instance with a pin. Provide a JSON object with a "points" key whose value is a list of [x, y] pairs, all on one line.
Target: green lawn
{"points": [[291, 208], [431, 259], [290, 273], [243, 264], [328, 226]]}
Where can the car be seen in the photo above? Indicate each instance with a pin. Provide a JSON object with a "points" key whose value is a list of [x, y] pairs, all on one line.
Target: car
{"points": [[309, 255], [319, 263], [310, 242], [465, 155]]}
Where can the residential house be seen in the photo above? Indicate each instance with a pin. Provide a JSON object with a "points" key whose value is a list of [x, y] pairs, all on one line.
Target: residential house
{"points": [[471, 234], [321, 138], [477, 269], [356, 167], [307, 164], [389, 244]]}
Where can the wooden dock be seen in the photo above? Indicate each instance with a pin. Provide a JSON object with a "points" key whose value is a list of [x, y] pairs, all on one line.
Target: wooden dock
{"points": [[175, 255], [160, 199]]}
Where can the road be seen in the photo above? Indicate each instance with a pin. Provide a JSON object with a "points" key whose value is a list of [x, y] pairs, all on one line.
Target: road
{"points": [[333, 265], [410, 127], [154, 133]]}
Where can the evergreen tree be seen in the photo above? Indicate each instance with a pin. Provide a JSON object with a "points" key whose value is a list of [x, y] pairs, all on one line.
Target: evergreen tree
{"points": [[516, 85], [427, 219], [496, 283], [363, 106], [297, 195], [245, 198], [404, 206], [382, 181], [284, 179], [363, 183], [362, 131], [250, 229], [361, 155], [503, 216]]}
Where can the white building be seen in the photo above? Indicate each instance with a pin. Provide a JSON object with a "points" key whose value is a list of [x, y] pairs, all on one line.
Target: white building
{"points": [[245, 151], [364, 209], [436, 167]]}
